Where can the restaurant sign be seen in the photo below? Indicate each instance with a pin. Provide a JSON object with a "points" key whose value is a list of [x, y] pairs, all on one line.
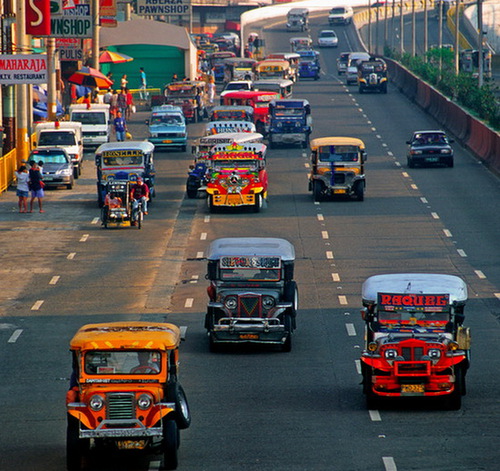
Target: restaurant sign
{"points": [[23, 69]]}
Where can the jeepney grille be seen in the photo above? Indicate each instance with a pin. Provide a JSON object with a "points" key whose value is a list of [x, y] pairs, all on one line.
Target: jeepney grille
{"points": [[249, 306], [410, 354], [121, 406]]}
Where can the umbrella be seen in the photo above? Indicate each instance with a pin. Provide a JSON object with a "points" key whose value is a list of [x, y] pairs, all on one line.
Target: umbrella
{"points": [[110, 57], [90, 77]]}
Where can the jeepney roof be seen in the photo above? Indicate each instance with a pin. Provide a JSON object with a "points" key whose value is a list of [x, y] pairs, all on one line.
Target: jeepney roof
{"points": [[274, 63], [283, 55], [161, 109], [289, 103], [251, 246], [301, 39], [243, 148], [272, 81], [123, 335], [144, 146], [414, 283], [249, 94], [237, 60], [336, 141]]}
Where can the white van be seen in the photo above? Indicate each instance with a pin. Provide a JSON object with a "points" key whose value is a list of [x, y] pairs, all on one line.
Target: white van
{"points": [[95, 123], [65, 134], [340, 15]]}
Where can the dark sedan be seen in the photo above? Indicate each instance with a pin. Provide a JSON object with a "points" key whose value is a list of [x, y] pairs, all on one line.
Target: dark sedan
{"points": [[429, 147]]}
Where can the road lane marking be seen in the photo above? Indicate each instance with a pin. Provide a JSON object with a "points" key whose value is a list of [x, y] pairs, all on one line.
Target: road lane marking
{"points": [[424, 200], [389, 463], [306, 165], [199, 254], [358, 366], [435, 215], [480, 274], [329, 254], [351, 330], [397, 164], [447, 233], [195, 278], [154, 465], [335, 277], [54, 280], [324, 234], [342, 299], [71, 256], [497, 295], [203, 236], [390, 153], [37, 305], [95, 221], [189, 302], [15, 335], [461, 253], [206, 219], [405, 174], [374, 129], [304, 154], [375, 415], [183, 329], [413, 186], [84, 238], [320, 217]]}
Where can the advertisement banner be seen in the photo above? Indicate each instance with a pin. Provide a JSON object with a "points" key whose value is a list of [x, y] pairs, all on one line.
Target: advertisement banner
{"points": [[75, 23], [163, 7], [38, 17], [23, 69]]}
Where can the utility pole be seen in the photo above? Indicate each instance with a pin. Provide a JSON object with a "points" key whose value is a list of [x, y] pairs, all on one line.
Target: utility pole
{"points": [[369, 27], [413, 30], [95, 34], [457, 36], [480, 34], [22, 105], [426, 30], [401, 28], [440, 37]]}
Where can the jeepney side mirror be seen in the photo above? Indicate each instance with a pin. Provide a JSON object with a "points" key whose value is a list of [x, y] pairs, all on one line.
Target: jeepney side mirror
{"points": [[364, 156], [146, 121]]}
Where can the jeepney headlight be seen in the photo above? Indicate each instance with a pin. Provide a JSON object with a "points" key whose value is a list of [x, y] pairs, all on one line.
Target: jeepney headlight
{"points": [[390, 354], [245, 182], [298, 124], [231, 302], [372, 346], [434, 353], [96, 403], [144, 401], [453, 346], [445, 151], [268, 302]]}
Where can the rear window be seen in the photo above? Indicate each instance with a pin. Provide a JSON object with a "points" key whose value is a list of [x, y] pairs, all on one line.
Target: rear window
{"points": [[57, 139]]}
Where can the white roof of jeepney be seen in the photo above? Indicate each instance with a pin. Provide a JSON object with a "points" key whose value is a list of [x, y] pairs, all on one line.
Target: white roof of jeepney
{"points": [[229, 138], [144, 146], [251, 246], [248, 109], [415, 283], [231, 126], [272, 81], [245, 147]]}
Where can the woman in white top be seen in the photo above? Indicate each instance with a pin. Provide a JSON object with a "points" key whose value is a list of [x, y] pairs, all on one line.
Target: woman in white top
{"points": [[22, 191]]}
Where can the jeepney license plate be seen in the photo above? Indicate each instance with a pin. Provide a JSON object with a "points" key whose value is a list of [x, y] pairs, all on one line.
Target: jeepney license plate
{"points": [[410, 389], [339, 192], [167, 141], [249, 336], [131, 444]]}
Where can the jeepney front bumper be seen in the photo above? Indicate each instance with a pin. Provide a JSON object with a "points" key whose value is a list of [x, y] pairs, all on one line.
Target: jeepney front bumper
{"points": [[288, 138], [340, 182]]}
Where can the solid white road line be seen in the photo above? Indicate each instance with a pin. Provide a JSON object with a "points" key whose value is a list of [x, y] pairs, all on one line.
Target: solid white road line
{"points": [[71, 256], [375, 415], [480, 274], [351, 330], [95, 221]]}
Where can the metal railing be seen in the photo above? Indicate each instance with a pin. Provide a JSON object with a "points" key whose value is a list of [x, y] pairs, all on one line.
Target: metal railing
{"points": [[8, 163]]}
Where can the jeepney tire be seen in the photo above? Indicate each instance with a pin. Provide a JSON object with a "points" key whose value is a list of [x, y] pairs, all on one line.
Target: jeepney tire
{"points": [[450, 163], [384, 88], [211, 207], [361, 89], [76, 448], [69, 186], [258, 203], [359, 191], [317, 190], [182, 414], [170, 444], [291, 295], [288, 321], [213, 346], [75, 173], [191, 194], [454, 400]]}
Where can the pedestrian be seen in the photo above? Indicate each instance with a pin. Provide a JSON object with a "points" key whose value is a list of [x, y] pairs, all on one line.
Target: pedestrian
{"points": [[40, 167], [130, 104], [122, 102], [143, 94], [120, 126], [124, 82], [211, 90], [106, 99], [114, 104], [22, 190], [175, 78], [109, 76], [35, 185]]}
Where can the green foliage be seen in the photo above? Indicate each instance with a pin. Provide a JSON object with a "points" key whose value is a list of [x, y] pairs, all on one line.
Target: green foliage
{"points": [[462, 87]]}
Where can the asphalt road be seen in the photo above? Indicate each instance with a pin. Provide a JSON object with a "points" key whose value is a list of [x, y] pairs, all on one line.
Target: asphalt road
{"points": [[255, 409]]}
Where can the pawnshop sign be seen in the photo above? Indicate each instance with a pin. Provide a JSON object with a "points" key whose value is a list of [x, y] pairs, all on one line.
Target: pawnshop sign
{"points": [[23, 69]]}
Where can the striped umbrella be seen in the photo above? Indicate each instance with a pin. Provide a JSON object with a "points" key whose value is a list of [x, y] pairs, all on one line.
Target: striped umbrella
{"points": [[110, 57], [90, 77]]}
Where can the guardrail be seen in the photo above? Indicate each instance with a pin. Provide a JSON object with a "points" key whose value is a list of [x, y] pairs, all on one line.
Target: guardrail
{"points": [[8, 164]]}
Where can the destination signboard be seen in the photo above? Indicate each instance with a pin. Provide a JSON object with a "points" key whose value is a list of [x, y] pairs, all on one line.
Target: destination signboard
{"points": [[74, 23], [163, 7]]}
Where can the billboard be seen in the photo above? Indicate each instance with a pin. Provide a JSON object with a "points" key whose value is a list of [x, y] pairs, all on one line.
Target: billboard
{"points": [[23, 69]]}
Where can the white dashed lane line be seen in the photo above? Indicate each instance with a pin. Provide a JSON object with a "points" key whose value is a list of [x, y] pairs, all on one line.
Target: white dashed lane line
{"points": [[343, 299], [375, 415], [15, 335], [413, 186], [335, 277], [194, 278], [206, 219], [351, 330], [189, 302], [324, 235], [54, 280], [461, 253], [447, 233], [203, 236], [424, 200], [480, 274], [95, 221], [199, 254], [389, 463], [497, 295], [329, 254], [71, 256], [320, 217], [435, 215], [84, 238]]}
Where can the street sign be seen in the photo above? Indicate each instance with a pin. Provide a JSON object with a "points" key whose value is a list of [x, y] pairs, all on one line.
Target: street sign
{"points": [[75, 23], [70, 49], [163, 7]]}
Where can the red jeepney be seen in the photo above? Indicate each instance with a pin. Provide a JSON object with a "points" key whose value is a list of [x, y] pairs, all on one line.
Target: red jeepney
{"points": [[258, 100], [238, 177], [190, 96]]}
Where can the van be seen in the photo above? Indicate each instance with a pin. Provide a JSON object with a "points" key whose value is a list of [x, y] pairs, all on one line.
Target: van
{"points": [[297, 19], [340, 15], [95, 123], [66, 134]]}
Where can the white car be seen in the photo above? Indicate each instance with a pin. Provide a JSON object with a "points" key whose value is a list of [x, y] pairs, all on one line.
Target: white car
{"points": [[236, 85], [328, 38], [351, 75]]}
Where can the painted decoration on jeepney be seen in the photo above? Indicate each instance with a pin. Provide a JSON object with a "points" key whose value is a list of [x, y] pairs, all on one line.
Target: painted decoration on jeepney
{"points": [[418, 302], [236, 155], [250, 262], [122, 157]]}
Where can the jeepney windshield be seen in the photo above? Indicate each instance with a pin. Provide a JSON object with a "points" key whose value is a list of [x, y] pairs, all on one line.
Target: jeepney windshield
{"points": [[338, 153], [288, 112], [122, 362], [230, 115], [261, 104], [249, 274], [120, 159]]}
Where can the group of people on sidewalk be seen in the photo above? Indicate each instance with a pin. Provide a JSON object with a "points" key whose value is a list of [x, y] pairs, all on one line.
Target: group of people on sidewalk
{"points": [[30, 180]]}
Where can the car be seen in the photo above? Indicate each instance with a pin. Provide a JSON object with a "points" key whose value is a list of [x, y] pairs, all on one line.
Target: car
{"points": [[57, 166], [341, 15], [253, 297], [351, 75], [429, 147], [167, 127], [328, 38]]}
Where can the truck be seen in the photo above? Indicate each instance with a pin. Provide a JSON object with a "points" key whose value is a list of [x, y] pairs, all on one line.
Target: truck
{"points": [[290, 122], [66, 134], [95, 119]]}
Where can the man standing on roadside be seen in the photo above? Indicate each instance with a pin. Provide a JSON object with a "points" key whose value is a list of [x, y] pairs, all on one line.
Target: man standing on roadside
{"points": [[120, 126], [142, 93]]}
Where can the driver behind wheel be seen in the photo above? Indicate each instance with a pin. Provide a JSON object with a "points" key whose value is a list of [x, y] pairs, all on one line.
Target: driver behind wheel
{"points": [[146, 364]]}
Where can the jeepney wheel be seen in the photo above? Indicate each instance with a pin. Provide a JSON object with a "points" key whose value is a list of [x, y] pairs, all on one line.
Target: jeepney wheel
{"points": [[410, 163], [183, 148], [288, 321], [182, 414], [361, 89], [454, 400], [359, 191], [258, 203], [450, 162], [190, 191], [384, 88], [140, 216], [76, 448], [317, 190], [170, 444], [213, 346], [210, 202]]}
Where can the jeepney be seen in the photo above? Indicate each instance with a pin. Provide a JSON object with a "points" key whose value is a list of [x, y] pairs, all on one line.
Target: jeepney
{"points": [[372, 75], [292, 57], [124, 391], [238, 68], [189, 96], [290, 122], [258, 100], [297, 44], [196, 180], [216, 61], [218, 127], [282, 86], [238, 177], [297, 19], [415, 343], [252, 295], [229, 113], [167, 127], [309, 69], [275, 68], [124, 161], [337, 167]]}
